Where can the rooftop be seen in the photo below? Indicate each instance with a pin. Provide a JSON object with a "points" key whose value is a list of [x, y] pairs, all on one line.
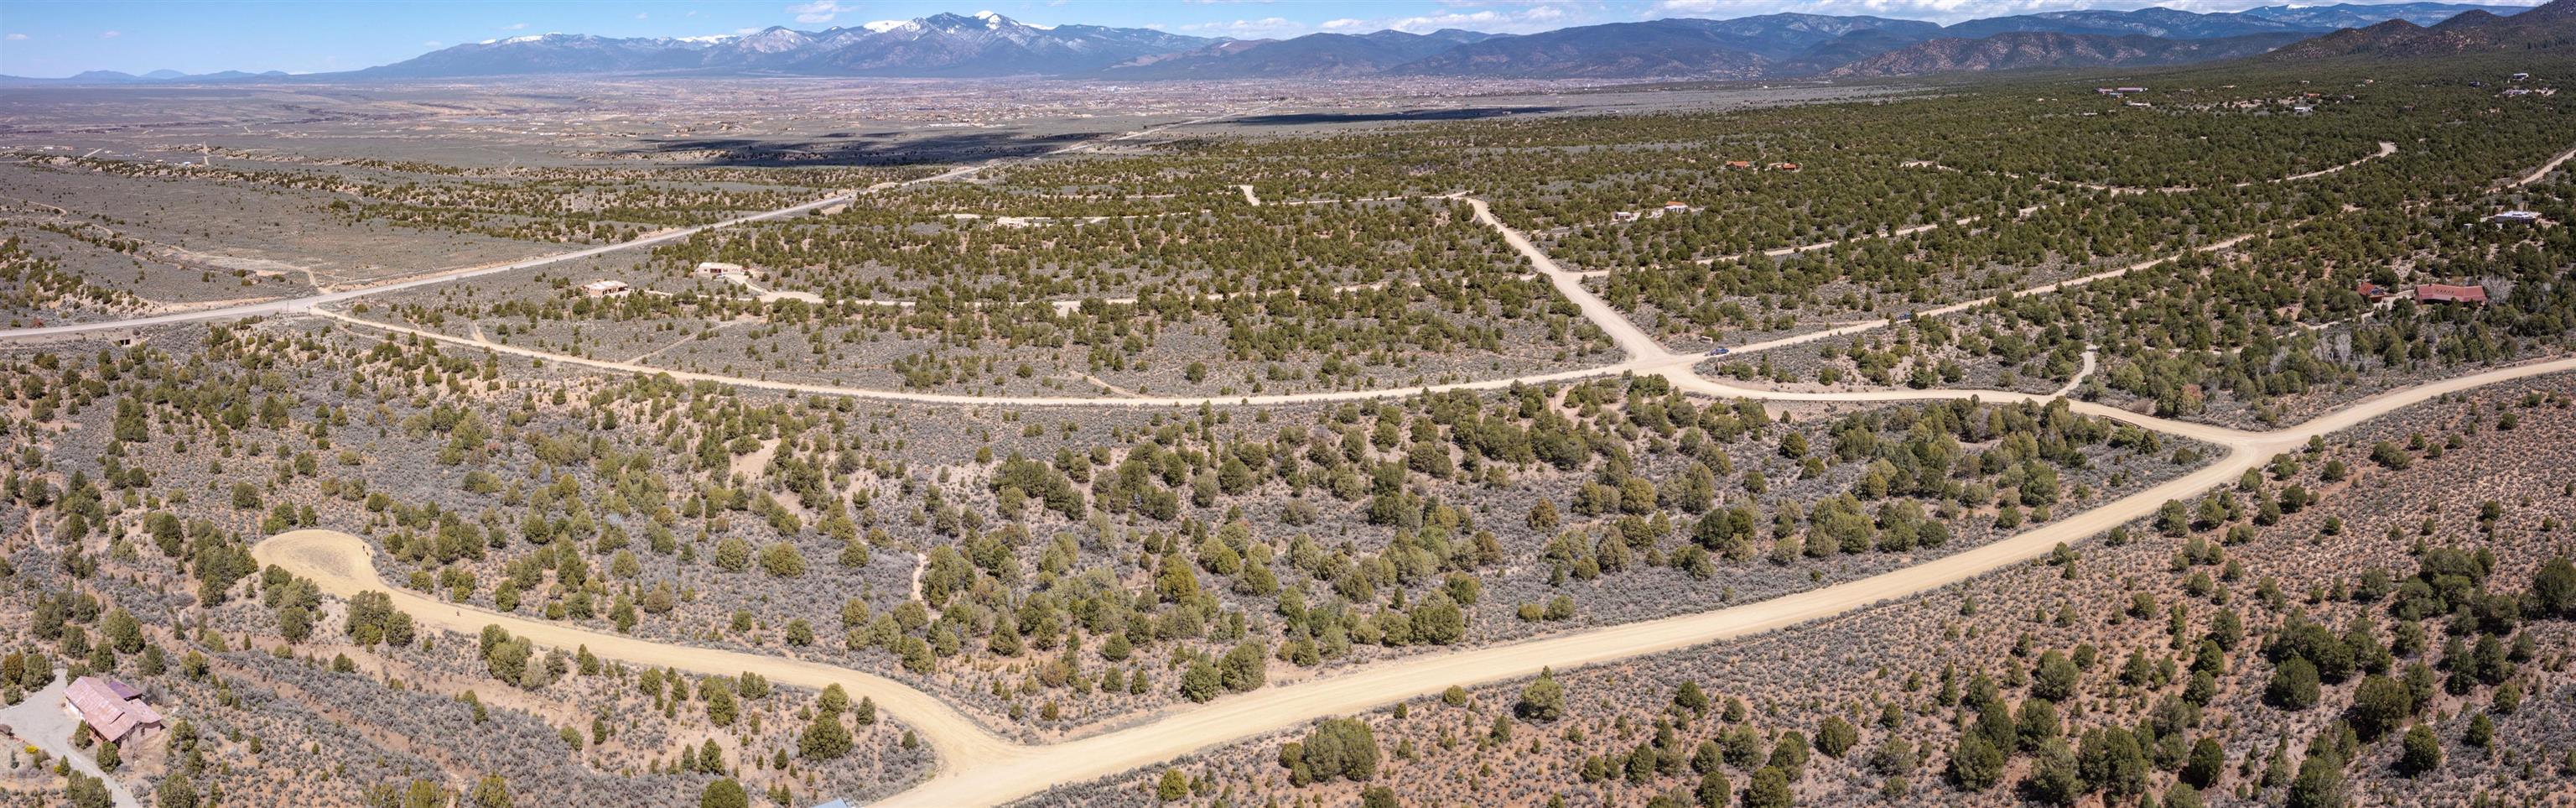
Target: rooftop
{"points": [[110, 707]]}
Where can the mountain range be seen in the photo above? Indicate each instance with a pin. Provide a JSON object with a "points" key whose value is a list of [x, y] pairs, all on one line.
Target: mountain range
{"points": [[1756, 47], [2548, 26]]}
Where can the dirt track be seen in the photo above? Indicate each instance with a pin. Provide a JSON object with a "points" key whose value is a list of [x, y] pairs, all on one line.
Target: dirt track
{"points": [[980, 768]]}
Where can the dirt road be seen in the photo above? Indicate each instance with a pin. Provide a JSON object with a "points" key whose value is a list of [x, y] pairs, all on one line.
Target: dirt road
{"points": [[342, 565], [307, 303], [980, 768], [2543, 170]]}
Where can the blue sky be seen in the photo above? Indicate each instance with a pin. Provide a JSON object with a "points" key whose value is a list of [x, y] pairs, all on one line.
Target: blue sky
{"points": [[56, 38]]}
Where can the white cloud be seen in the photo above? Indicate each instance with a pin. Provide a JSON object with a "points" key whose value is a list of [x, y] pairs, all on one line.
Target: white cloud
{"points": [[17, 37], [1525, 20], [110, 34], [1266, 27], [433, 44], [1343, 24], [516, 26], [819, 10]]}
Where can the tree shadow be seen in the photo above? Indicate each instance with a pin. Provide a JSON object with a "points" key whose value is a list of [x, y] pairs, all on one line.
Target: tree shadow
{"points": [[846, 149], [1410, 115]]}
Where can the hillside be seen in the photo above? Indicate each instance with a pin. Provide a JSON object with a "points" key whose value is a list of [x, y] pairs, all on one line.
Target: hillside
{"points": [[2016, 51]]}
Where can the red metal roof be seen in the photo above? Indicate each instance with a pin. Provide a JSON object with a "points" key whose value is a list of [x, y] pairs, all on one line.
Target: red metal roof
{"points": [[110, 708]]}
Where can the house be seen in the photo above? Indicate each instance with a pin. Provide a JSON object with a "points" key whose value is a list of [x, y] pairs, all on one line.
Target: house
{"points": [[2371, 291], [112, 709], [2516, 217], [2126, 90], [1739, 165], [2521, 77], [1624, 216], [2139, 104], [1784, 166], [1676, 207], [601, 289], [720, 269], [2441, 293], [2303, 109]]}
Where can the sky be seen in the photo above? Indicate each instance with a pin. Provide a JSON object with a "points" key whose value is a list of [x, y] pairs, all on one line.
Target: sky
{"points": [[63, 37]]}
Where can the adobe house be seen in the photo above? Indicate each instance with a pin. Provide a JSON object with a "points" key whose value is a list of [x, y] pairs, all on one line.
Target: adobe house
{"points": [[2442, 293]]}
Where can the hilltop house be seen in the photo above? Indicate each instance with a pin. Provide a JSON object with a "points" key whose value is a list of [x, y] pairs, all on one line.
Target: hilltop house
{"points": [[2516, 217], [605, 288], [1784, 166], [2443, 293], [720, 269], [111, 709]]}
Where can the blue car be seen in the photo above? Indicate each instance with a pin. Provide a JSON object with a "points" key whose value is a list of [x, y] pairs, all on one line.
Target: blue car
{"points": [[1717, 351]]}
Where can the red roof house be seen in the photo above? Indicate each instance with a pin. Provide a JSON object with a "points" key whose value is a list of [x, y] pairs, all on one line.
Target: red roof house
{"points": [[110, 708], [2439, 293]]}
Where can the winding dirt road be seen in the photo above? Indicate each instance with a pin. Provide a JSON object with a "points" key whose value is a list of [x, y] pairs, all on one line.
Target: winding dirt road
{"points": [[978, 767]]}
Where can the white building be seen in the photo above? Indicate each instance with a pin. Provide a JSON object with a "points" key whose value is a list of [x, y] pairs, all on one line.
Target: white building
{"points": [[604, 288]]}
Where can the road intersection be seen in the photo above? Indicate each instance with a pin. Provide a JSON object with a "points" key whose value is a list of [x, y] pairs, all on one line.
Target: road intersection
{"points": [[979, 767]]}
